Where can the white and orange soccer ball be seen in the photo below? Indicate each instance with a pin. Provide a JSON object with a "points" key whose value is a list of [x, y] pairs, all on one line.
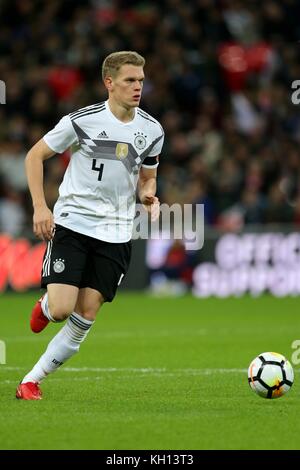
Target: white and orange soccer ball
{"points": [[270, 375]]}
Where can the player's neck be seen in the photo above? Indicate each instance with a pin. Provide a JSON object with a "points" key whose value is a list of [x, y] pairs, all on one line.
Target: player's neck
{"points": [[120, 112]]}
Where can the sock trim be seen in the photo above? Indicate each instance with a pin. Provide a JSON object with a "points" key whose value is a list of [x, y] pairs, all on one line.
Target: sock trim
{"points": [[79, 324], [81, 320]]}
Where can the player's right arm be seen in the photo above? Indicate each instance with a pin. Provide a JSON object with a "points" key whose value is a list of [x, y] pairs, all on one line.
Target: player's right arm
{"points": [[57, 140], [43, 222]]}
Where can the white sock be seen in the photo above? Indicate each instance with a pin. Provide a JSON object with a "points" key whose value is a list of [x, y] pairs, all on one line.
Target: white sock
{"points": [[63, 346], [45, 308]]}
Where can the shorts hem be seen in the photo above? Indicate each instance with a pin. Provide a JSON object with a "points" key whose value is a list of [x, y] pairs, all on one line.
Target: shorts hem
{"points": [[44, 284], [107, 298], [79, 286]]}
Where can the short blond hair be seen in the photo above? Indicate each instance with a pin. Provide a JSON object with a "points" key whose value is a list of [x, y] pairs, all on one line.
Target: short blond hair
{"points": [[114, 61]]}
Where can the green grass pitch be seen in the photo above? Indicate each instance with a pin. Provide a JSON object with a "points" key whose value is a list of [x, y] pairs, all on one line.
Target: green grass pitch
{"points": [[153, 374]]}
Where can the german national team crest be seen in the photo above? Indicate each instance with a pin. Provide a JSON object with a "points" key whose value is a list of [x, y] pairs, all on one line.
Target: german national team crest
{"points": [[59, 265], [121, 150], [140, 141]]}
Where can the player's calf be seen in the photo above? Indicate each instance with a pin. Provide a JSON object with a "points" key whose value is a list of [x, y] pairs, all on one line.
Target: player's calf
{"points": [[88, 303]]}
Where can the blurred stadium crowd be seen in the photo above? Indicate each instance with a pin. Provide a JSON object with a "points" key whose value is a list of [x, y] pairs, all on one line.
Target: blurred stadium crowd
{"points": [[219, 78]]}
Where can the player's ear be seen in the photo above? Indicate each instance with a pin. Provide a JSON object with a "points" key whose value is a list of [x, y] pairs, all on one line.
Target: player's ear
{"points": [[108, 83]]}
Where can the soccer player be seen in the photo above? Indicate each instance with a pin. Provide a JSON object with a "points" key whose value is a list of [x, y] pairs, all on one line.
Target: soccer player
{"points": [[115, 147]]}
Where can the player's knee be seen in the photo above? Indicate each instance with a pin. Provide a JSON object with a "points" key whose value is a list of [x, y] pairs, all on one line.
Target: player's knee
{"points": [[89, 314], [60, 312], [89, 310]]}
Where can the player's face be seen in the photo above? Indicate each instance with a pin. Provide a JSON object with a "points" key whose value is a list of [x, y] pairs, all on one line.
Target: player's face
{"points": [[127, 85]]}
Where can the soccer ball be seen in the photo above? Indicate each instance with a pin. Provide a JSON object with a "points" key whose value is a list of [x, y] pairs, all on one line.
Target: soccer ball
{"points": [[270, 375]]}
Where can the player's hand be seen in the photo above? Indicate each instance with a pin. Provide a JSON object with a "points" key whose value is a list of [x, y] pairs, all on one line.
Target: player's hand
{"points": [[43, 223], [151, 204]]}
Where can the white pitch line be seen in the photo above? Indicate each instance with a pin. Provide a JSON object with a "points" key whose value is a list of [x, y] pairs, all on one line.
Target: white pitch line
{"points": [[115, 334], [94, 369], [144, 371], [99, 378], [58, 379]]}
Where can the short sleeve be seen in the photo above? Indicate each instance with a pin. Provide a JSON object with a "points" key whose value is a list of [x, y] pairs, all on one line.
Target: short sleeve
{"points": [[62, 136], [157, 147], [151, 161]]}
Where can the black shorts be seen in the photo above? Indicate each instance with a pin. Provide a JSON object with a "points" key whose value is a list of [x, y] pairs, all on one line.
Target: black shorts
{"points": [[78, 260]]}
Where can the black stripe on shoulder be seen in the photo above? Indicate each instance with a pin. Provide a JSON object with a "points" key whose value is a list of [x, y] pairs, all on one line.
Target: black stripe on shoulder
{"points": [[80, 113], [143, 112], [145, 117], [102, 103], [88, 108], [73, 118]]}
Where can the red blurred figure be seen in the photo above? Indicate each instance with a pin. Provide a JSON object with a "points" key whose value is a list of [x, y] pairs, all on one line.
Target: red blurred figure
{"points": [[64, 81]]}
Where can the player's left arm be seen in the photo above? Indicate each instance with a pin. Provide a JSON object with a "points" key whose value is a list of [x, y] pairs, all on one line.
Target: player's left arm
{"points": [[147, 191]]}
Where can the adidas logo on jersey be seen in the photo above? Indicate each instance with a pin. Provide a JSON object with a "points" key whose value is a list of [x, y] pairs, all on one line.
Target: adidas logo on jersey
{"points": [[103, 135]]}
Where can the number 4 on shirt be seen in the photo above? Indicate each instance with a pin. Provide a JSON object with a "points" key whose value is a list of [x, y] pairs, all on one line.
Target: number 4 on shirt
{"points": [[99, 169]]}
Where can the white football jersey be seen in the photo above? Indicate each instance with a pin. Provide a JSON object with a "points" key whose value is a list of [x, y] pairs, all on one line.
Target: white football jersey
{"points": [[98, 192]]}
